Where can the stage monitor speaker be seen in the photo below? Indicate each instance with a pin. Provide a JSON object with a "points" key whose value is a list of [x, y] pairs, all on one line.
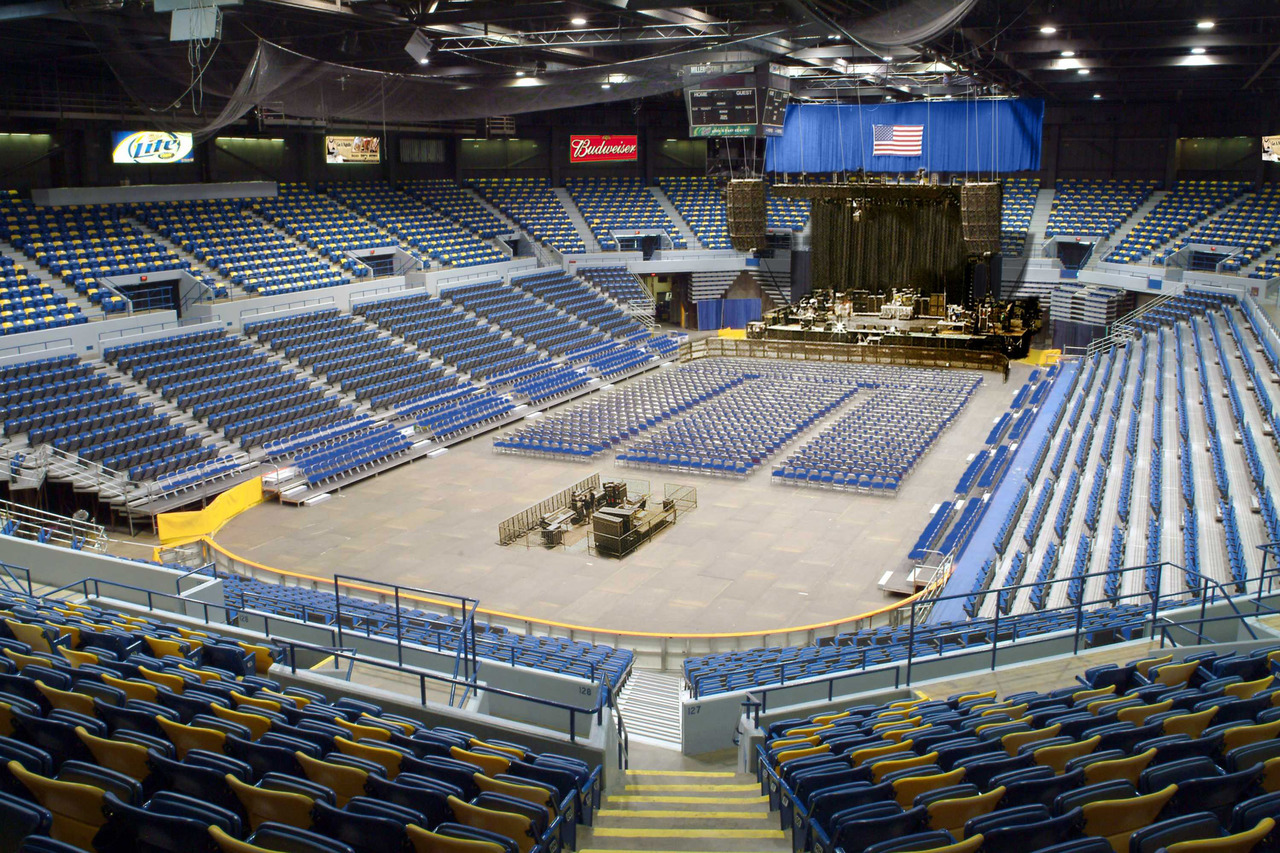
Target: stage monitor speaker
{"points": [[745, 209], [980, 206]]}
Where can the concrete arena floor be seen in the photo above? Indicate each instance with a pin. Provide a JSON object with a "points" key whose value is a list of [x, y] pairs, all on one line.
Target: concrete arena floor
{"points": [[752, 556]]}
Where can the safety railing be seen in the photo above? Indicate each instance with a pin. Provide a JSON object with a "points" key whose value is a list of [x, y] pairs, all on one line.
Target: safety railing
{"points": [[511, 529], [465, 658], [15, 578], [92, 588], [37, 525], [847, 353], [1002, 629]]}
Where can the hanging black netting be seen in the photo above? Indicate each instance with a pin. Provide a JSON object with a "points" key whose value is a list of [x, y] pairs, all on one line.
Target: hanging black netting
{"points": [[203, 87]]}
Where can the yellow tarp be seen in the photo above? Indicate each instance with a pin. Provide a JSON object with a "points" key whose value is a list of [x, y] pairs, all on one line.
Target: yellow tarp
{"points": [[175, 527], [1042, 357], [734, 334]]}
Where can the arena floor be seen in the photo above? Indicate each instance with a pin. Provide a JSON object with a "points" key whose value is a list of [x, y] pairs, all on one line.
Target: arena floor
{"points": [[753, 556]]}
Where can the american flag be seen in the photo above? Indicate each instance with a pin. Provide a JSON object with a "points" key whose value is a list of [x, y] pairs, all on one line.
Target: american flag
{"points": [[899, 140]]}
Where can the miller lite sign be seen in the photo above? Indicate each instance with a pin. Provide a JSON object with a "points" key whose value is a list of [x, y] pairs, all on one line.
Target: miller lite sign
{"points": [[152, 147], [602, 149]]}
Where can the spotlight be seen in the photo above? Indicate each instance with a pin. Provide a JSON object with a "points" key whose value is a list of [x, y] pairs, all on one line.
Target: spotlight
{"points": [[578, 21], [606, 85], [1096, 96], [1067, 54], [520, 73], [1198, 51], [1048, 30], [888, 58], [1204, 25], [1083, 72]]}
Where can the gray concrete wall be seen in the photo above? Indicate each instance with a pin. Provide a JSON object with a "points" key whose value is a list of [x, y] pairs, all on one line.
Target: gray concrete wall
{"points": [[151, 192]]}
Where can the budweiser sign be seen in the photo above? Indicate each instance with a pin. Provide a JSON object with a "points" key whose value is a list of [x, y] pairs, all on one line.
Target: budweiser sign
{"points": [[601, 149]]}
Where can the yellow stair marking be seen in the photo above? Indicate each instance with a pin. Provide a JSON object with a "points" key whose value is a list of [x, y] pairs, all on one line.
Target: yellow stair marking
{"points": [[710, 801], [670, 813], [750, 786], [713, 774], [635, 832], [599, 850]]}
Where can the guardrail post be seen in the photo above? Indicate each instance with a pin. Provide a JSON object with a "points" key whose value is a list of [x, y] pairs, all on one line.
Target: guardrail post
{"points": [[995, 634], [399, 635], [911, 642], [1204, 595]]}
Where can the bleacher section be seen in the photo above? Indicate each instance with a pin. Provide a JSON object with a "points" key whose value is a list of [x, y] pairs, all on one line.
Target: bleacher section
{"points": [[452, 202], [1176, 753], [1095, 208], [562, 291], [698, 201], [354, 358], [444, 331], [240, 247], [82, 244], [1252, 227], [232, 387], [437, 631], [533, 320], [413, 223], [1015, 215], [534, 206], [786, 214], [323, 225], [127, 733], [1095, 500], [876, 444], [27, 304], [1188, 203], [618, 282], [67, 403], [620, 204]]}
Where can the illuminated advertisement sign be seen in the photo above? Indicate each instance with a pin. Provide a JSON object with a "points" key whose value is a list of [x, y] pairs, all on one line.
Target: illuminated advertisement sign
{"points": [[602, 149], [151, 147], [352, 149], [1271, 149]]}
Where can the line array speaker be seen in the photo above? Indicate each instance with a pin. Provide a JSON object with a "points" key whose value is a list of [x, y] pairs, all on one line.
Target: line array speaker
{"points": [[745, 210], [980, 206]]}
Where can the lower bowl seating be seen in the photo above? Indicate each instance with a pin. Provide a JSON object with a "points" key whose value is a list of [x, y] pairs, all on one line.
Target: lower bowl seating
{"points": [[1158, 754], [120, 733]]}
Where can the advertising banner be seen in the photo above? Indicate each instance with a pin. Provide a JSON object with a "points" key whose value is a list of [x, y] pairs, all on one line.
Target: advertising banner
{"points": [[352, 149], [602, 149], [151, 147]]}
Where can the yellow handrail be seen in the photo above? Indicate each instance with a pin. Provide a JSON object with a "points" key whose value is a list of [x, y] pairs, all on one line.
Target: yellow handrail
{"points": [[567, 626]]}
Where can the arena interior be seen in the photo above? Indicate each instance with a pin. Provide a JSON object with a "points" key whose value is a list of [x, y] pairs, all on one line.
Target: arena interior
{"points": [[453, 426]]}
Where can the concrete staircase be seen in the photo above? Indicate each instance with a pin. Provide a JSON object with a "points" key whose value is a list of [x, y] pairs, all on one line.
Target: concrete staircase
{"points": [[1101, 249], [690, 239], [575, 216], [684, 811], [650, 703], [1039, 220]]}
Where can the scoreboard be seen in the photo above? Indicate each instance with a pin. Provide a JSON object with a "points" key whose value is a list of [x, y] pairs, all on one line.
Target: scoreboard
{"points": [[722, 112], [775, 111]]}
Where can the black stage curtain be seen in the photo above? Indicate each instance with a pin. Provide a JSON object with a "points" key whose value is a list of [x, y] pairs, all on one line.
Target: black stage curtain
{"points": [[879, 242]]}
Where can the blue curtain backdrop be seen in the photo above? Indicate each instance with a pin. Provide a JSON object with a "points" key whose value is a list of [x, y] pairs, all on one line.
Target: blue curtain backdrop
{"points": [[959, 136], [727, 313]]}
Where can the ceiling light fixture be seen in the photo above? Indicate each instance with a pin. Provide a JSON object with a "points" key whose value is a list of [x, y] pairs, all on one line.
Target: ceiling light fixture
{"points": [[1197, 51], [1082, 71], [1048, 30], [888, 59], [1096, 96], [1204, 25], [520, 73], [578, 21], [1067, 54]]}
